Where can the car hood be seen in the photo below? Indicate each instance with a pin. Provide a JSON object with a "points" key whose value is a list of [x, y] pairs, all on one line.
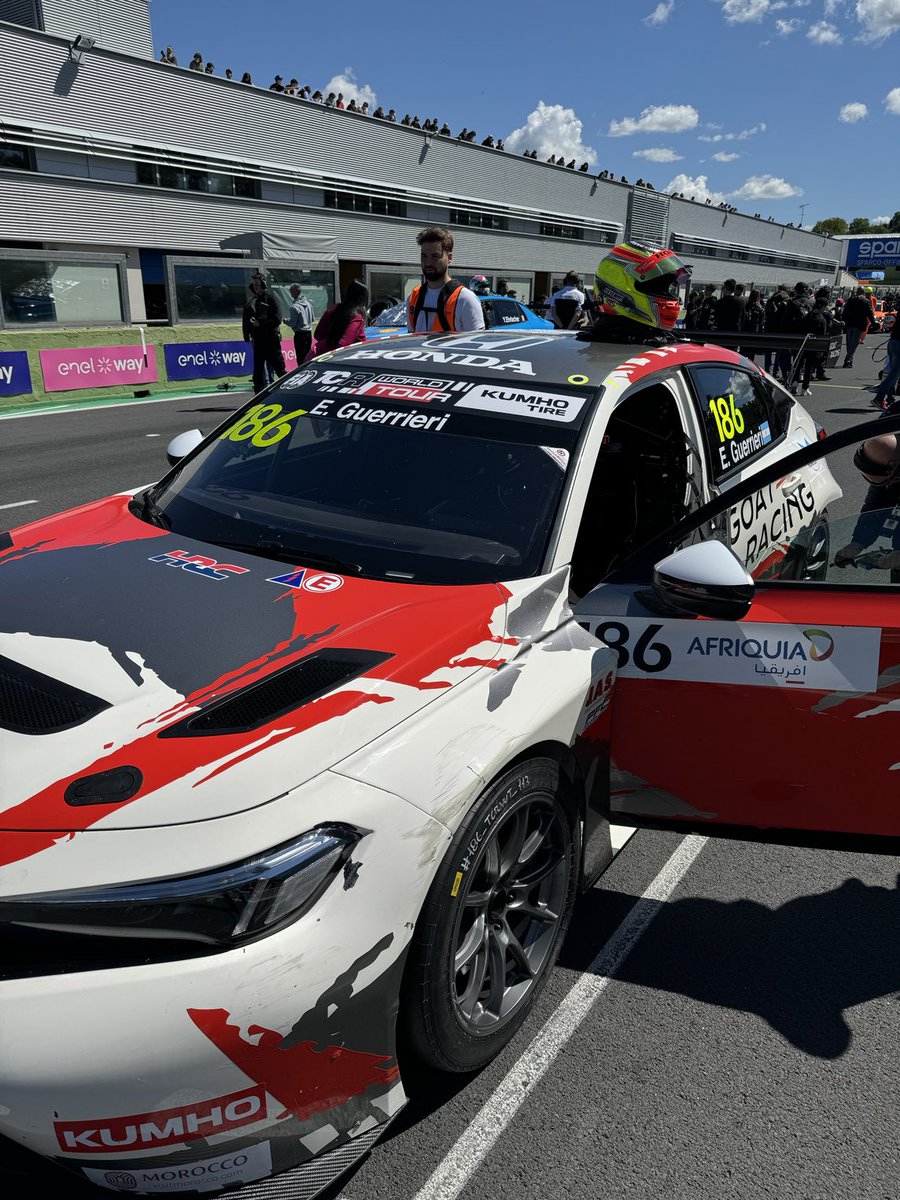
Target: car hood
{"points": [[146, 679]]}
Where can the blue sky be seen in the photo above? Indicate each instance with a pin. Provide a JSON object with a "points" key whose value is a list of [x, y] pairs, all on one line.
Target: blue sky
{"points": [[790, 108]]}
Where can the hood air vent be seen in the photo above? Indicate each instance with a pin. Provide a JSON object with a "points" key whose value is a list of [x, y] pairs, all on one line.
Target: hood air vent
{"points": [[279, 693], [33, 703]]}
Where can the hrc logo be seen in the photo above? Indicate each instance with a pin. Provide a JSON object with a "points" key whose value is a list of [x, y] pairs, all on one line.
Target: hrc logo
{"points": [[199, 564]]}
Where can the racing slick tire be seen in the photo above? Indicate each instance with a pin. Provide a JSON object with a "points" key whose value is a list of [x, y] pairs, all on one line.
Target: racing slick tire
{"points": [[493, 921], [807, 560]]}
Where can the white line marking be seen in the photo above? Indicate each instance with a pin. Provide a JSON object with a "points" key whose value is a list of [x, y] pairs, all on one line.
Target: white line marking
{"points": [[18, 504], [466, 1156]]}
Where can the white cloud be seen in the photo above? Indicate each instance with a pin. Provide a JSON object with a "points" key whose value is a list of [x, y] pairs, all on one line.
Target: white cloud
{"points": [[660, 14], [824, 34], [892, 101], [738, 11], [662, 118], [785, 28], [725, 156], [879, 18], [658, 154], [734, 137], [696, 189], [352, 90], [880, 220], [767, 187], [551, 129], [851, 113]]}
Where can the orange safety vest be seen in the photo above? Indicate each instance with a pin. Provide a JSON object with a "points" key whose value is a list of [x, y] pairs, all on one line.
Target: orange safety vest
{"points": [[442, 320]]}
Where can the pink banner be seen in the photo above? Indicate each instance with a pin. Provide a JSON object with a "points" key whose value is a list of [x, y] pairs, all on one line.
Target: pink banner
{"points": [[97, 367], [290, 354]]}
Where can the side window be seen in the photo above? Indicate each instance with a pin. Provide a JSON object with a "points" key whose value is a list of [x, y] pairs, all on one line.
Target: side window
{"points": [[506, 312], [740, 417], [644, 482]]}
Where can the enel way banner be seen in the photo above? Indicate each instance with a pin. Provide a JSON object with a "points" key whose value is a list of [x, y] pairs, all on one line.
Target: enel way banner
{"points": [[71, 368], [15, 375], [213, 360]]}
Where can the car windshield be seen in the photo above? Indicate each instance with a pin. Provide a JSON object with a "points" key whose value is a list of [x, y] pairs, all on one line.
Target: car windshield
{"points": [[389, 492], [391, 316]]}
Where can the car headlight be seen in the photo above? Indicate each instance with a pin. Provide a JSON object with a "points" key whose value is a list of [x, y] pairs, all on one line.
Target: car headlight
{"points": [[179, 916]]}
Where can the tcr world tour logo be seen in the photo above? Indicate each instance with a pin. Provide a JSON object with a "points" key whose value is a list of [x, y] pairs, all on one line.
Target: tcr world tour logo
{"points": [[821, 644]]}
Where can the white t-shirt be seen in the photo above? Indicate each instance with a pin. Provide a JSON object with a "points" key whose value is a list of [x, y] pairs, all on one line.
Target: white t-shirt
{"points": [[566, 293], [467, 315]]}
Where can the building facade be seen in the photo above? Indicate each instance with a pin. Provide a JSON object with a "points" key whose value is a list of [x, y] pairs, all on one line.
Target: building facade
{"points": [[127, 184]]}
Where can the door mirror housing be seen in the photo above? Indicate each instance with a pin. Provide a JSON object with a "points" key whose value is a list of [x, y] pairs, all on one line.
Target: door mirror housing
{"points": [[182, 444], [705, 580]]}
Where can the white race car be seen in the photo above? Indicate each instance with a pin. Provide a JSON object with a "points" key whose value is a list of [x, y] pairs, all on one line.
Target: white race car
{"points": [[307, 750]]}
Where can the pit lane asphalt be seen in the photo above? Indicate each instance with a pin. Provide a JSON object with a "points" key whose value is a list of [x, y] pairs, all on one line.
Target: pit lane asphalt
{"points": [[746, 1048]]}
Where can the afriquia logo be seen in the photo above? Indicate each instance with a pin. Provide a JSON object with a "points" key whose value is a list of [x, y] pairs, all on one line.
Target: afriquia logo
{"points": [[821, 644]]}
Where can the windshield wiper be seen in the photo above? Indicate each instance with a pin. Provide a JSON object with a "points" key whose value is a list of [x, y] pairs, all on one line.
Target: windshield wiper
{"points": [[293, 554], [144, 506]]}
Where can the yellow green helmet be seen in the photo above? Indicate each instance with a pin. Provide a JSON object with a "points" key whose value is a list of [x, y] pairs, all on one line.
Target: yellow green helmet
{"points": [[641, 281]]}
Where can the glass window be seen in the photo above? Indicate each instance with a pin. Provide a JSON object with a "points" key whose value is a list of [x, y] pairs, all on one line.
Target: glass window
{"points": [[318, 287], [20, 157], [520, 284], [503, 313], [741, 416], [392, 285], [211, 293], [44, 291]]}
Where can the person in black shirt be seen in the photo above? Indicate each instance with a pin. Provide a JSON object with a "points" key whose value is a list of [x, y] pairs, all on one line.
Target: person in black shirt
{"points": [[729, 309], [262, 326]]}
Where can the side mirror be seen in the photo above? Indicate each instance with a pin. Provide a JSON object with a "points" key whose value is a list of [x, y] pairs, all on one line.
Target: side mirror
{"points": [[182, 444], [706, 580]]}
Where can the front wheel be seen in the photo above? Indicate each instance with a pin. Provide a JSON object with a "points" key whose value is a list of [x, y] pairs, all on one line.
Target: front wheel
{"points": [[493, 922]]}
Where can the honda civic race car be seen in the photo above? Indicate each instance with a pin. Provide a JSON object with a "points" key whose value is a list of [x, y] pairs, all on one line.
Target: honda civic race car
{"points": [[308, 749]]}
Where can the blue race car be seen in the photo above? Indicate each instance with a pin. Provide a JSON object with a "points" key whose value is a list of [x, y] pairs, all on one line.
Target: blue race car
{"points": [[500, 312]]}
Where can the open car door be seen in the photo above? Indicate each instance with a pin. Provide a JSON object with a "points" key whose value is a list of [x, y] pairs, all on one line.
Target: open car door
{"points": [[758, 688]]}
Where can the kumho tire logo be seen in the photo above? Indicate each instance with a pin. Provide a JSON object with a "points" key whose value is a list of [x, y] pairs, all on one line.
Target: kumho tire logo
{"points": [[821, 644]]}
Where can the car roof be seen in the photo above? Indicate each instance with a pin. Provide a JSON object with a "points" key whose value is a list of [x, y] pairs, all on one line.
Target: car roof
{"points": [[532, 358]]}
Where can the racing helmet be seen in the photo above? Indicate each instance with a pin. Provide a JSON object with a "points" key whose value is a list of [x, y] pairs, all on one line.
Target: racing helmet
{"points": [[641, 281], [480, 285]]}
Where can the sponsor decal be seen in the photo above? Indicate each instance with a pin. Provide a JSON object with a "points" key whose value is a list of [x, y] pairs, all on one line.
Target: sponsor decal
{"points": [[15, 374], [405, 418], [735, 443], [207, 360], [165, 1127], [199, 564], [768, 517], [579, 380], [202, 1175], [836, 659], [390, 387], [70, 368], [874, 252], [444, 357], [558, 454], [309, 581], [290, 354], [523, 403], [482, 342], [597, 700], [291, 382]]}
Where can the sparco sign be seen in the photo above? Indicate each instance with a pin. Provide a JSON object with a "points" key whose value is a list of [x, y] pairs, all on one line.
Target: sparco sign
{"points": [[874, 252]]}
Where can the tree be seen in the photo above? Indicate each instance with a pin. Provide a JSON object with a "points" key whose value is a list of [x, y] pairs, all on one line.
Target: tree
{"points": [[830, 226], [894, 226], [860, 225]]}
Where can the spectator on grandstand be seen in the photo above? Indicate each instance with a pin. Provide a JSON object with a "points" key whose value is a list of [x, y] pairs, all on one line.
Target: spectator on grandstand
{"points": [[488, 141], [407, 119], [277, 84], [351, 107], [209, 69], [317, 97], [379, 113], [471, 136], [168, 56], [245, 78], [364, 108], [552, 160], [293, 87], [462, 135], [339, 103], [570, 165], [229, 74], [196, 63], [330, 99], [499, 145], [583, 167], [392, 115], [415, 123], [445, 130]]}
